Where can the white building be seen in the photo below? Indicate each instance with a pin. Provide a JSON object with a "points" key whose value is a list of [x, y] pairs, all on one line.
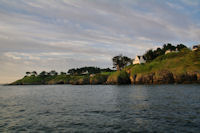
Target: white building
{"points": [[195, 47], [85, 72], [139, 60], [170, 51]]}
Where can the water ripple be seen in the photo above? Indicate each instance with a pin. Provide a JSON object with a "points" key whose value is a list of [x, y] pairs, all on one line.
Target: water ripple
{"points": [[66, 108]]}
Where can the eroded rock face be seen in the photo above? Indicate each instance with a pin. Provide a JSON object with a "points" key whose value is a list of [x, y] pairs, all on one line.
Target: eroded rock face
{"points": [[179, 78], [94, 81], [120, 78], [189, 77], [118, 81], [81, 81], [163, 77], [112, 80], [98, 79], [139, 79], [132, 79], [198, 77], [192, 76], [124, 80], [144, 78]]}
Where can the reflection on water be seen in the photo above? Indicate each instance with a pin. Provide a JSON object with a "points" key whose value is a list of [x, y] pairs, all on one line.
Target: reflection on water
{"points": [[67, 108]]}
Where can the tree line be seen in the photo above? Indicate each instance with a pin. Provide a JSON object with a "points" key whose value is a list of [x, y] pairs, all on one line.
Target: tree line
{"points": [[87, 70], [44, 73], [120, 61], [73, 71], [152, 54]]}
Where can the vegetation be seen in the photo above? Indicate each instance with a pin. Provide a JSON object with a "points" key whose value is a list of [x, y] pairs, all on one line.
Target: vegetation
{"points": [[180, 66], [120, 62], [176, 62], [150, 55], [119, 77], [100, 78], [87, 70], [94, 76]]}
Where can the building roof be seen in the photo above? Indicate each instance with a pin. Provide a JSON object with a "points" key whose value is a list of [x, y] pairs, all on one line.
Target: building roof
{"points": [[139, 57], [196, 46]]}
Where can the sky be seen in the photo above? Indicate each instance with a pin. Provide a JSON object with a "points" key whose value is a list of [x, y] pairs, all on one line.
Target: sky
{"points": [[62, 34]]}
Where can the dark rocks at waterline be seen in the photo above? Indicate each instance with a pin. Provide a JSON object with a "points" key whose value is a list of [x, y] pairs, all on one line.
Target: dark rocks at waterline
{"points": [[161, 77], [142, 78], [81, 81], [98, 79], [189, 77], [165, 77], [120, 77]]}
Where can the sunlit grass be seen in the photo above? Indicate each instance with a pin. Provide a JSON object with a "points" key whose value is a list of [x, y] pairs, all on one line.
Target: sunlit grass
{"points": [[180, 62]]}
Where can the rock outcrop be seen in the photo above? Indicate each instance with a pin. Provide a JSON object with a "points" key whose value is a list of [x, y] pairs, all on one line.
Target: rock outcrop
{"points": [[144, 78], [120, 77], [98, 79], [165, 77], [124, 77], [80, 81], [188, 77]]}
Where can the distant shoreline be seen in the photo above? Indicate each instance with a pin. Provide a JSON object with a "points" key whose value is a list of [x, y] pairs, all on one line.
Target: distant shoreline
{"points": [[179, 67]]}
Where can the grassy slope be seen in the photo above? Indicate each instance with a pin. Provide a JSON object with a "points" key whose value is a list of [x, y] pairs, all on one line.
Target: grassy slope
{"points": [[34, 80], [59, 79], [177, 63]]}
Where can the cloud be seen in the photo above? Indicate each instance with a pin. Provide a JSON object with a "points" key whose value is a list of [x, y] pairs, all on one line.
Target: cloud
{"points": [[48, 34], [191, 2]]}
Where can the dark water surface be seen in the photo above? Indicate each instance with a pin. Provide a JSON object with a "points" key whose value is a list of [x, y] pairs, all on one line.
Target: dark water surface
{"points": [[99, 108]]}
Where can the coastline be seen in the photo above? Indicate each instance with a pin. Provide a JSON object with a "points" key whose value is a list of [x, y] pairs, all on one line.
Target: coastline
{"points": [[181, 67], [161, 77]]}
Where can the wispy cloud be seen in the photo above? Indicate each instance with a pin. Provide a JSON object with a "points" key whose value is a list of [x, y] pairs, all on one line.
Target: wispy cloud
{"points": [[50, 34]]}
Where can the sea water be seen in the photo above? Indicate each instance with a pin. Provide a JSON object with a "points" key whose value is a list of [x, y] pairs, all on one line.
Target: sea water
{"points": [[100, 108]]}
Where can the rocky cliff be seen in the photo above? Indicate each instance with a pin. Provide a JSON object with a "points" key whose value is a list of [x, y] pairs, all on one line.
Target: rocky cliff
{"points": [[165, 77]]}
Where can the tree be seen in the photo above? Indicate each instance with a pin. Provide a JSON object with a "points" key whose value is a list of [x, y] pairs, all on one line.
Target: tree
{"points": [[71, 71], [158, 52], [62, 73], [120, 62], [149, 55], [53, 73], [168, 46], [43, 73], [152, 54], [180, 46], [28, 73], [34, 73], [79, 71]]}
